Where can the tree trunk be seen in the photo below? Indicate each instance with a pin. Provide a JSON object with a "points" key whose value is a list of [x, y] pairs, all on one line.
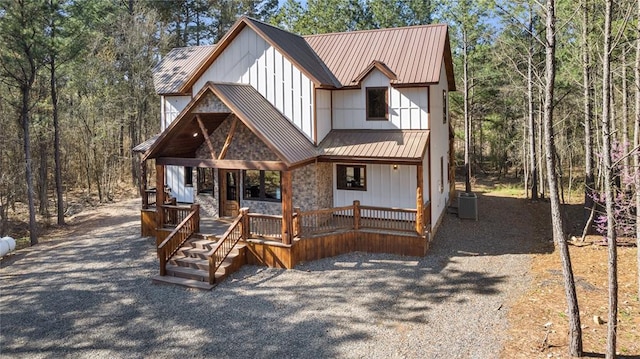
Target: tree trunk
{"points": [[24, 114], [625, 113], [467, 122], [532, 124], [608, 186], [589, 183], [636, 142], [575, 332], [43, 205], [56, 140]]}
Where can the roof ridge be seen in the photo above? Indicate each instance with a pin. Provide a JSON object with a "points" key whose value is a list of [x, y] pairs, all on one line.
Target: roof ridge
{"points": [[375, 30]]}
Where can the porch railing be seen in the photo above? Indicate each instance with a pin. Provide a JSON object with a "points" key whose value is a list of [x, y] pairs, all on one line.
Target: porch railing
{"points": [[265, 226], [149, 198], [356, 217], [393, 219], [174, 214], [324, 220], [178, 237], [226, 244]]}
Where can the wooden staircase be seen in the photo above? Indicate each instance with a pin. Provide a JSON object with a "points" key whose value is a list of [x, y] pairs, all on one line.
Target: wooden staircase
{"points": [[189, 266]]}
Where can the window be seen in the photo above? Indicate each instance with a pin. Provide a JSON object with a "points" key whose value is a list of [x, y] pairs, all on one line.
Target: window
{"points": [[352, 177], [445, 113], [262, 185], [377, 104], [205, 181], [188, 176]]}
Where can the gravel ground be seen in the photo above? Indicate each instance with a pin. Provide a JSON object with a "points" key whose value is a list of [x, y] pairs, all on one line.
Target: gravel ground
{"points": [[91, 296]]}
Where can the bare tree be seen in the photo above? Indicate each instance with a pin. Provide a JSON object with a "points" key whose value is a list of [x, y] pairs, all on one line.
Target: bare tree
{"points": [[589, 178], [608, 185], [636, 141], [559, 237]]}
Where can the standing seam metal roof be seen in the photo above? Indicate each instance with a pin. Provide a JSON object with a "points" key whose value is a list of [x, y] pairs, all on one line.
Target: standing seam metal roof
{"points": [[413, 53], [375, 144], [278, 133], [177, 67]]}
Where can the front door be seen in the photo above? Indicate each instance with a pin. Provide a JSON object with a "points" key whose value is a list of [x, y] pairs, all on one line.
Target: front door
{"points": [[229, 193]]}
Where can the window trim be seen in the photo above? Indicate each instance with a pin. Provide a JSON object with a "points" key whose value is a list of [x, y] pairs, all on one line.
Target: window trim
{"points": [[345, 187], [386, 103], [188, 176], [262, 190], [445, 112]]}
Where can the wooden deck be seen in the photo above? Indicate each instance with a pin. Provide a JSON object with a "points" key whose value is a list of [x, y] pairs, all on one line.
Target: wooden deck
{"points": [[316, 235]]}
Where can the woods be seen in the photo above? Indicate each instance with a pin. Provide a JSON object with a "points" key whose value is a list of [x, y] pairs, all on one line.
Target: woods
{"points": [[549, 96]]}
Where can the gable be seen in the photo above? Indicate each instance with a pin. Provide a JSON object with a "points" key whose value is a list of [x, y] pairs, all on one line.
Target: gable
{"points": [[293, 47], [413, 54]]}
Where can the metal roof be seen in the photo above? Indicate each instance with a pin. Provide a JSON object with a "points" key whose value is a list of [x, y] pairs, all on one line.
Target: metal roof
{"points": [[414, 54], [177, 67], [264, 120], [382, 145], [146, 145]]}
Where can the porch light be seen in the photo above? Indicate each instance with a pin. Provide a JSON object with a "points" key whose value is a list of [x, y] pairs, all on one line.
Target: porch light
{"points": [[195, 134], [395, 167]]}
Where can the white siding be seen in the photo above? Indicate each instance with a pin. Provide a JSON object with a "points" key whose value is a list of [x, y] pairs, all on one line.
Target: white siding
{"points": [[323, 113], [175, 181], [386, 187], [407, 107], [171, 107], [439, 149], [250, 59]]}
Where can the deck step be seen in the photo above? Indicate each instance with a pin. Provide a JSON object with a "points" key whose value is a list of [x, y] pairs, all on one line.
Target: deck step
{"points": [[203, 244], [190, 283]]}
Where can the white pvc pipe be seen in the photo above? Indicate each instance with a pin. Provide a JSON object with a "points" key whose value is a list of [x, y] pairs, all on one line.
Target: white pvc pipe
{"points": [[7, 244]]}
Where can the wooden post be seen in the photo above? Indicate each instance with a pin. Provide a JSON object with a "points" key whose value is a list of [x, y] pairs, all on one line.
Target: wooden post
{"points": [[420, 201], [296, 222], [159, 196], [356, 215], [196, 208], [287, 207], [245, 230], [143, 185]]}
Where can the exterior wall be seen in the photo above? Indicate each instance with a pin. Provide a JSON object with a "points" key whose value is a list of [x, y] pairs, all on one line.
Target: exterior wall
{"points": [[209, 204], [439, 149], [170, 108], [251, 60], [312, 187], [407, 107], [386, 187], [323, 113], [244, 145]]}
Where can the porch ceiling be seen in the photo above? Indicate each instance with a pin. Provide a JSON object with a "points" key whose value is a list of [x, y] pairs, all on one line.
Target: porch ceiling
{"points": [[187, 136]]}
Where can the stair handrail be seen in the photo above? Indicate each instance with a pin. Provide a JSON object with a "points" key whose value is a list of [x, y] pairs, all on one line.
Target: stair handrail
{"points": [[178, 237], [226, 244]]}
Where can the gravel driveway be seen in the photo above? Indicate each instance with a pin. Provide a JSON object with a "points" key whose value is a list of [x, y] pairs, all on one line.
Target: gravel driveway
{"points": [[91, 296]]}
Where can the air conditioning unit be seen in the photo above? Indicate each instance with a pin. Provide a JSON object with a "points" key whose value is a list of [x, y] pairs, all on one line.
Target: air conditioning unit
{"points": [[467, 205]]}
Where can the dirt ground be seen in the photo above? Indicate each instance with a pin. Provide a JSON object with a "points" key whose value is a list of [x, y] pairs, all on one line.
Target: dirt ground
{"points": [[541, 312]]}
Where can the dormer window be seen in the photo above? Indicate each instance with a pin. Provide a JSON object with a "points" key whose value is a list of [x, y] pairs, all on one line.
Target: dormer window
{"points": [[377, 107]]}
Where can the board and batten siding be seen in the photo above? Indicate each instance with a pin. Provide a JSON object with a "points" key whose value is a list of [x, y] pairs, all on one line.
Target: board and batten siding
{"points": [[408, 107], [249, 59], [171, 107], [386, 187], [439, 138], [323, 113]]}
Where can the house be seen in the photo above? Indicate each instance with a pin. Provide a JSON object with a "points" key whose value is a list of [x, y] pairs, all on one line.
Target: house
{"points": [[309, 132]]}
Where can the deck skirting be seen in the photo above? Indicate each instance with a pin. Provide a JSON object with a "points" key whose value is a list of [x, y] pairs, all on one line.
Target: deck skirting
{"points": [[277, 255]]}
